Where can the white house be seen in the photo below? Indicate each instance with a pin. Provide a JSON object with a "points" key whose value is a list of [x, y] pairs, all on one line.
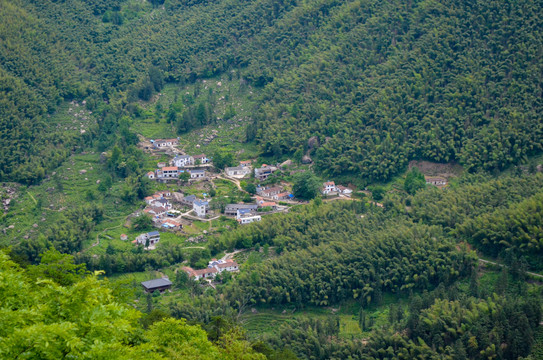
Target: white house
{"points": [[168, 172], [197, 174], [200, 207], [344, 190], [223, 265], [437, 181], [213, 268], [163, 203], [151, 175], [182, 161], [245, 163], [162, 143], [270, 192], [247, 219], [201, 274], [237, 171], [153, 237], [328, 187]]}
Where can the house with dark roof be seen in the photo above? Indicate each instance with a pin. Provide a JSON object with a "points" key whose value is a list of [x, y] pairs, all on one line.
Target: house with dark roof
{"points": [[153, 237], [264, 172], [232, 209], [188, 200], [197, 174], [161, 285]]}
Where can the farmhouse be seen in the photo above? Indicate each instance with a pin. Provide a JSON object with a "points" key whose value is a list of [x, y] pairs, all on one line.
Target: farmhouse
{"points": [[344, 190], [153, 237], [246, 163], [151, 175], [156, 212], [188, 200], [223, 265], [200, 274], [182, 161], [263, 204], [264, 172], [161, 285], [249, 218], [281, 196], [328, 187], [168, 172], [200, 207], [197, 174], [172, 224], [270, 192], [437, 181], [162, 143], [232, 209], [237, 171], [213, 268]]}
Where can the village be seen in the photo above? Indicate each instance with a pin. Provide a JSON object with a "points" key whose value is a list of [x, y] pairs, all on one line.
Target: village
{"points": [[190, 180], [190, 198]]}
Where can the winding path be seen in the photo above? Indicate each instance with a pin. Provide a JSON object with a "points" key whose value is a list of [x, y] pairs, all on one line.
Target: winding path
{"points": [[502, 265]]}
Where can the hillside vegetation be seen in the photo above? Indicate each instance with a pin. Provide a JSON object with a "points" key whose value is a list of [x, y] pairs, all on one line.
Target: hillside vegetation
{"points": [[377, 83]]}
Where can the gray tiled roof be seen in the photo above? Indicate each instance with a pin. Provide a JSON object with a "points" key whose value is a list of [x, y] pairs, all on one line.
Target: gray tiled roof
{"points": [[156, 283]]}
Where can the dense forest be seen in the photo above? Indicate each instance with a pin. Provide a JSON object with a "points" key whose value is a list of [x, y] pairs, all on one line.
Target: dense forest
{"points": [[374, 83]]}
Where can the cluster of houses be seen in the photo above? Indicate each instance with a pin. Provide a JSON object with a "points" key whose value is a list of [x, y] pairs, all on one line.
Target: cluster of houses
{"points": [[214, 267], [179, 165], [330, 188], [248, 213]]}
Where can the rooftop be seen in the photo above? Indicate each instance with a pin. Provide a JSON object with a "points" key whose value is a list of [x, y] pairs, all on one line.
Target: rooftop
{"points": [[241, 206], [156, 283], [200, 203], [234, 168], [181, 157]]}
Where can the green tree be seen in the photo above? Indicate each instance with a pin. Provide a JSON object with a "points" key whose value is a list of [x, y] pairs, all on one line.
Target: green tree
{"points": [[414, 181], [184, 177], [142, 222], [306, 185]]}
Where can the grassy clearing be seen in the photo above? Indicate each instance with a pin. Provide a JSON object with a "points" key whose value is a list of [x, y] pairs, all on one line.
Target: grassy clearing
{"points": [[269, 320], [224, 94]]}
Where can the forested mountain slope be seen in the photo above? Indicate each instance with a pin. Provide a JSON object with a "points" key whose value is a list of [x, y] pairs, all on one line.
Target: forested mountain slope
{"points": [[378, 83], [386, 82]]}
